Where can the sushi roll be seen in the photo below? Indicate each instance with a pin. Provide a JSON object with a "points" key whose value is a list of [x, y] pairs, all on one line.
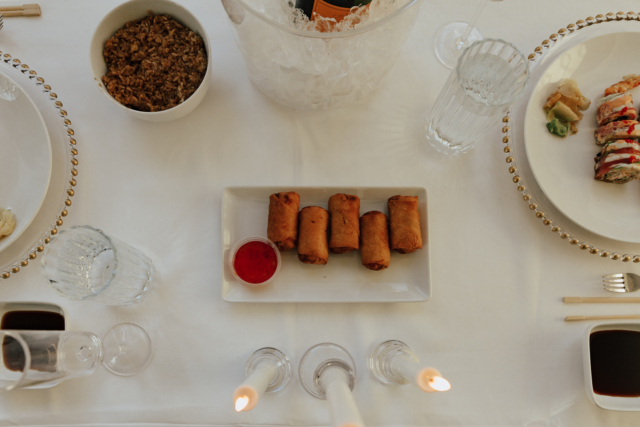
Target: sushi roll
{"points": [[622, 129], [618, 106], [618, 166], [622, 146]]}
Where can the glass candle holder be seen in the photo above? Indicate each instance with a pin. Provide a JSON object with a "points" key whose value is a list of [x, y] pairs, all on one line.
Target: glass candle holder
{"points": [[394, 363], [327, 372], [312, 69], [268, 370], [490, 76]]}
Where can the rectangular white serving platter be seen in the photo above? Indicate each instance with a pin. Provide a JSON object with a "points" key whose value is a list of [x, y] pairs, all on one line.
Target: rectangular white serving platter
{"points": [[343, 279]]}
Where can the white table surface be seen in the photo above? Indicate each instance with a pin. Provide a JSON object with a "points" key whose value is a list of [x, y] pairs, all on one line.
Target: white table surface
{"points": [[494, 324]]}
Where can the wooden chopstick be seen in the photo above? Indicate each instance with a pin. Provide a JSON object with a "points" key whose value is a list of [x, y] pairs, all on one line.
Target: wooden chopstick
{"points": [[571, 300], [24, 10], [617, 317], [23, 7], [29, 12]]}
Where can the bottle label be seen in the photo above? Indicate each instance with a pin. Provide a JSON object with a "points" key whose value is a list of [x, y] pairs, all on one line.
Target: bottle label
{"points": [[327, 10]]}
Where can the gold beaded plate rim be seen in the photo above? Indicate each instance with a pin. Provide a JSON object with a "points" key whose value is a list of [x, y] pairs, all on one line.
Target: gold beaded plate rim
{"points": [[517, 178], [26, 257]]}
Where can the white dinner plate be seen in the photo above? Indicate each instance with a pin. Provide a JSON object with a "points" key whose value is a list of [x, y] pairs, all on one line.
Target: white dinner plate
{"points": [[563, 167], [25, 152], [344, 278]]}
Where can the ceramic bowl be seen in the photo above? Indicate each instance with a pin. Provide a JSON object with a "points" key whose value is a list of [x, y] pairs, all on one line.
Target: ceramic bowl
{"points": [[137, 9]]}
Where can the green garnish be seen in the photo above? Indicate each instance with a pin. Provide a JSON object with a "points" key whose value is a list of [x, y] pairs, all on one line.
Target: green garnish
{"points": [[558, 127]]}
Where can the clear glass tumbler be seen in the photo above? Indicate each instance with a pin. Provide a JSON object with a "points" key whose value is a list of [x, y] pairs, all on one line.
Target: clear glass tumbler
{"points": [[490, 76], [82, 263]]}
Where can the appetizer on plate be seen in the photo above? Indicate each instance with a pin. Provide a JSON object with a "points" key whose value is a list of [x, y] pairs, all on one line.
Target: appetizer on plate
{"points": [[404, 224], [374, 233], [618, 162], [618, 106], [564, 108], [345, 226], [628, 82], [622, 129], [374, 240], [313, 247], [7, 222], [282, 228]]}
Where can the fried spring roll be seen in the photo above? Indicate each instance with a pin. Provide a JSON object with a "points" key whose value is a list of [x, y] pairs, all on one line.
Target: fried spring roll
{"points": [[374, 240], [283, 220], [345, 225], [313, 246], [404, 224]]}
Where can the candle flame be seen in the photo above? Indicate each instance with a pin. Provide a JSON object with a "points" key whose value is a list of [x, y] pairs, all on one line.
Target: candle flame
{"points": [[241, 403], [439, 384]]}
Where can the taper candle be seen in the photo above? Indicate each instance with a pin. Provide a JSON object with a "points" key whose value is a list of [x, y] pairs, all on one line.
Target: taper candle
{"points": [[268, 370], [427, 379], [342, 406]]}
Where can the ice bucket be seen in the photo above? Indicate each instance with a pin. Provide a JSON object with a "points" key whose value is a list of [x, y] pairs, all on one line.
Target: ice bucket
{"points": [[315, 70]]}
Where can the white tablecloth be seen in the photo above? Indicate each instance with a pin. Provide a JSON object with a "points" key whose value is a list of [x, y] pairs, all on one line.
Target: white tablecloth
{"points": [[494, 325]]}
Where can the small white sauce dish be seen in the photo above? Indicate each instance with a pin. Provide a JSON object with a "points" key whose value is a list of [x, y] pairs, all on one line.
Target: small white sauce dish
{"points": [[612, 403]]}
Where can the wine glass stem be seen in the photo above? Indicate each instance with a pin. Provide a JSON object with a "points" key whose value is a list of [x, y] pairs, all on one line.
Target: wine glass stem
{"points": [[462, 41]]}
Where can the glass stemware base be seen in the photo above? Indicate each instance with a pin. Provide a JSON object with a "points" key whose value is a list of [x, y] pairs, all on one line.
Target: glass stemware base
{"points": [[127, 349], [448, 44]]}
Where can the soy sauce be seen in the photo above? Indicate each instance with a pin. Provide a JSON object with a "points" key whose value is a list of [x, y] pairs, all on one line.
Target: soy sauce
{"points": [[32, 320], [615, 363], [42, 358]]}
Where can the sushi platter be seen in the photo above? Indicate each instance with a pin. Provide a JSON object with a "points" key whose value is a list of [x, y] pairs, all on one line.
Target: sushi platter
{"points": [[556, 175]]}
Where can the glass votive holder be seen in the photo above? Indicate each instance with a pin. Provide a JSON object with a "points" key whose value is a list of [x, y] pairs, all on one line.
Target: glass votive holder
{"points": [[394, 363], [327, 371], [268, 370]]}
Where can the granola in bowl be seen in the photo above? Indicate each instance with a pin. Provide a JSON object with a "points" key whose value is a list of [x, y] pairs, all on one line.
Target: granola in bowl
{"points": [[154, 64]]}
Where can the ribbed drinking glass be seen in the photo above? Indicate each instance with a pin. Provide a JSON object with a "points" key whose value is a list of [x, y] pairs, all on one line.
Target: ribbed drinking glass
{"points": [[490, 76], [82, 263]]}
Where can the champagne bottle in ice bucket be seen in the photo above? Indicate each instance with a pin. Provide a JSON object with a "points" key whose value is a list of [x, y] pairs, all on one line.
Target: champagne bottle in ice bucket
{"points": [[336, 9]]}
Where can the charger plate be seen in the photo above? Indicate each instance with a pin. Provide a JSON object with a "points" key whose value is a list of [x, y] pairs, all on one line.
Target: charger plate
{"points": [[63, 168], [26, 151], [518, 163]]}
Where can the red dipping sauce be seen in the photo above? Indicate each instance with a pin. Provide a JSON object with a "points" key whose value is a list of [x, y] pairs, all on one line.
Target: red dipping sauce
{"points": [[255, 262]]}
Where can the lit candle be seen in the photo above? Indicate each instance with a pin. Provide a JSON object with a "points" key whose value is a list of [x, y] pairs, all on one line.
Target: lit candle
{"points": [[247, 395], [427, 379], [342, 406]]}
